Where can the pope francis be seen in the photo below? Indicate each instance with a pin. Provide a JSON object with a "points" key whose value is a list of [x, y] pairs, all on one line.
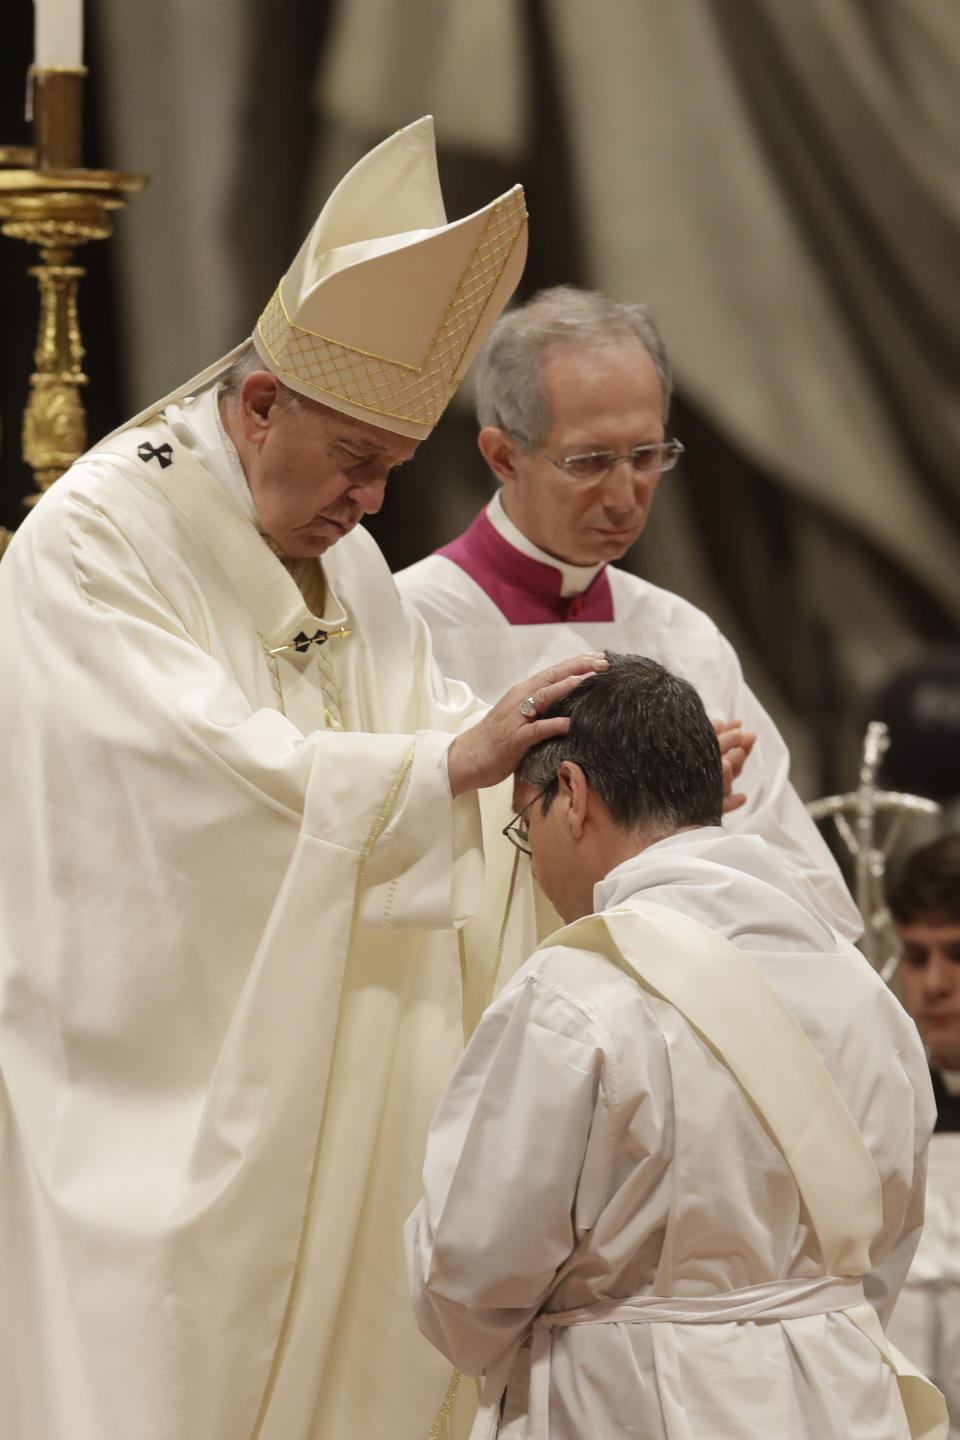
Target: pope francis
{"points": [[241, 823]]}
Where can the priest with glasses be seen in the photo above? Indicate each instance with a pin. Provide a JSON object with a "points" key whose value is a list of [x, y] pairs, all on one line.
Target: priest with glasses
{"points": [[572, 397]]}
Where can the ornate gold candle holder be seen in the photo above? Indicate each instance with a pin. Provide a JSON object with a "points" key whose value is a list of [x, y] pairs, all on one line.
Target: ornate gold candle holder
{"points": [[47, 199]]}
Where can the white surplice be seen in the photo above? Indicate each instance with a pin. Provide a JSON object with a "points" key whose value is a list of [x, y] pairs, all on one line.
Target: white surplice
{"points": [[591, 1148], [230, 987], [474, 641]]}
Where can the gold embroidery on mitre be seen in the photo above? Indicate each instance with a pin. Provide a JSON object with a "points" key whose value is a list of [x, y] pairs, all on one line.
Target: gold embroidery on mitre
{"points": [[389, 387]]}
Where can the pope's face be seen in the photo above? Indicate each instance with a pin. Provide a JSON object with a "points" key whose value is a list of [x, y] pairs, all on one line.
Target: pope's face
{"points": [[604, 400], [314, 473], [929, 977]]}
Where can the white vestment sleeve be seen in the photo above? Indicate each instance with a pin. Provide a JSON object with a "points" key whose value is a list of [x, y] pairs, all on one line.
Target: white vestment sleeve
{"points": [[774, 810], [499, 1212], [409, 881]]}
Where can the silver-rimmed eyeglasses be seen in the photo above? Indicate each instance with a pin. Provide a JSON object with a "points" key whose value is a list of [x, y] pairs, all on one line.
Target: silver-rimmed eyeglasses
{"points": [[597, 464], [518, 831]]}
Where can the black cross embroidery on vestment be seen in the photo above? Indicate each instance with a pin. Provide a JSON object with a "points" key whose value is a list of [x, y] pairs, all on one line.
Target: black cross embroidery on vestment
{"points": [[163, 453]]}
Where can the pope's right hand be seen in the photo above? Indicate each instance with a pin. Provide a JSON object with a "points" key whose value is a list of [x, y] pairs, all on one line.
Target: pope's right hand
{"points": [[492, 749]]}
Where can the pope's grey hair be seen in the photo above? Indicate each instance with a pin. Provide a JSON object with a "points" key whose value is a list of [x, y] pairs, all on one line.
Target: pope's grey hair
{"points": [[246, 363], [645, 744], [508, 371]]}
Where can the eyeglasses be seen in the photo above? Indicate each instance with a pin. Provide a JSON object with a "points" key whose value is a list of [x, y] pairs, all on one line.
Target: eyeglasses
{"points": [[518, 831], [598, 464]]}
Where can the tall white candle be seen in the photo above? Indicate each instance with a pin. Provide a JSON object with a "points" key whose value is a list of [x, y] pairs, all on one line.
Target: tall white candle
{"points": [[58, 33]]}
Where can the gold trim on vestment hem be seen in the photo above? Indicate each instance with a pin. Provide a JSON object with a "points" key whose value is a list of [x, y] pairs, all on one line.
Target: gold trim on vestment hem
{"points": [[375, 832]]}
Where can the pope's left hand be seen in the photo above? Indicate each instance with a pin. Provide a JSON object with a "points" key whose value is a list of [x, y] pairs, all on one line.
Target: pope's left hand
{"points": [[735, 746]]}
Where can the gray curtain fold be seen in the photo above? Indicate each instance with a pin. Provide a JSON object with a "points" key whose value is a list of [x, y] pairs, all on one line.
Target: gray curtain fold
{"points": [[214, 101]]}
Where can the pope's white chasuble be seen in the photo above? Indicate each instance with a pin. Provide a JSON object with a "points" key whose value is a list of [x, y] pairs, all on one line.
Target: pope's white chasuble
{"points": [[231, 987]]}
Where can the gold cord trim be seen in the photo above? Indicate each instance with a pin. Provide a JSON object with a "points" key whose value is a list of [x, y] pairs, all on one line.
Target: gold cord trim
{"points": [[333, 706], [335, 394], [375, 832], [274, 669], [443, 1414]]}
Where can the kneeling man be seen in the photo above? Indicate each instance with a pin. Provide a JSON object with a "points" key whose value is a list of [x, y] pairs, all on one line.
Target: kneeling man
{"points": [[678, 1174]]}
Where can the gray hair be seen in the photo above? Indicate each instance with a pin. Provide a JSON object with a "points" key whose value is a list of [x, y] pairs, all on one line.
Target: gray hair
{"points": [[508, 371], [645, 744], [246, 363]]}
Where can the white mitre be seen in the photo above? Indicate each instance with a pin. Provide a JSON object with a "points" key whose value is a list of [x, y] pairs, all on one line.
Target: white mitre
{"points": [[386, 303]]}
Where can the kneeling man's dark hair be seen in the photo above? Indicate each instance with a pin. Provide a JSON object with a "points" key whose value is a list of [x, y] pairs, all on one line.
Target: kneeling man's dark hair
{"points": [[644, 742]]}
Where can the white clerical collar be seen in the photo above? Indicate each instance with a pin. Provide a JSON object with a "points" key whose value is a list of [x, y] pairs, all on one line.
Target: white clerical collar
{"points": [[575, 578], [197, 425], [621, 882]]}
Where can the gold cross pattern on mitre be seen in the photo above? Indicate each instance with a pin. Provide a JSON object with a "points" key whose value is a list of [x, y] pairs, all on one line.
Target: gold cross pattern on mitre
{"points": [[386, 303]]}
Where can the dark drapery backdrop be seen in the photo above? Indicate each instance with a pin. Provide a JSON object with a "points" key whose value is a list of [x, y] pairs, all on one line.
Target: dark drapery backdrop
{"points": [[778, 181]]}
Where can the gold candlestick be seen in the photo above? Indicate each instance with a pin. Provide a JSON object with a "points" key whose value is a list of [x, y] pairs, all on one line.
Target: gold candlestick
{"points": [[47, 199], [57, 93]]}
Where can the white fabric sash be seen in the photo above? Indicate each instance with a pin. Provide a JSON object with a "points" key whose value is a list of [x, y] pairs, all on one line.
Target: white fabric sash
{"points": [[725, 998], [776, 1300]]}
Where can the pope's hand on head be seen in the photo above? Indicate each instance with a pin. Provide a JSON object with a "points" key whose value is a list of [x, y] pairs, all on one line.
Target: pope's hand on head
{"points": [[492, 749], [735, 746]]}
